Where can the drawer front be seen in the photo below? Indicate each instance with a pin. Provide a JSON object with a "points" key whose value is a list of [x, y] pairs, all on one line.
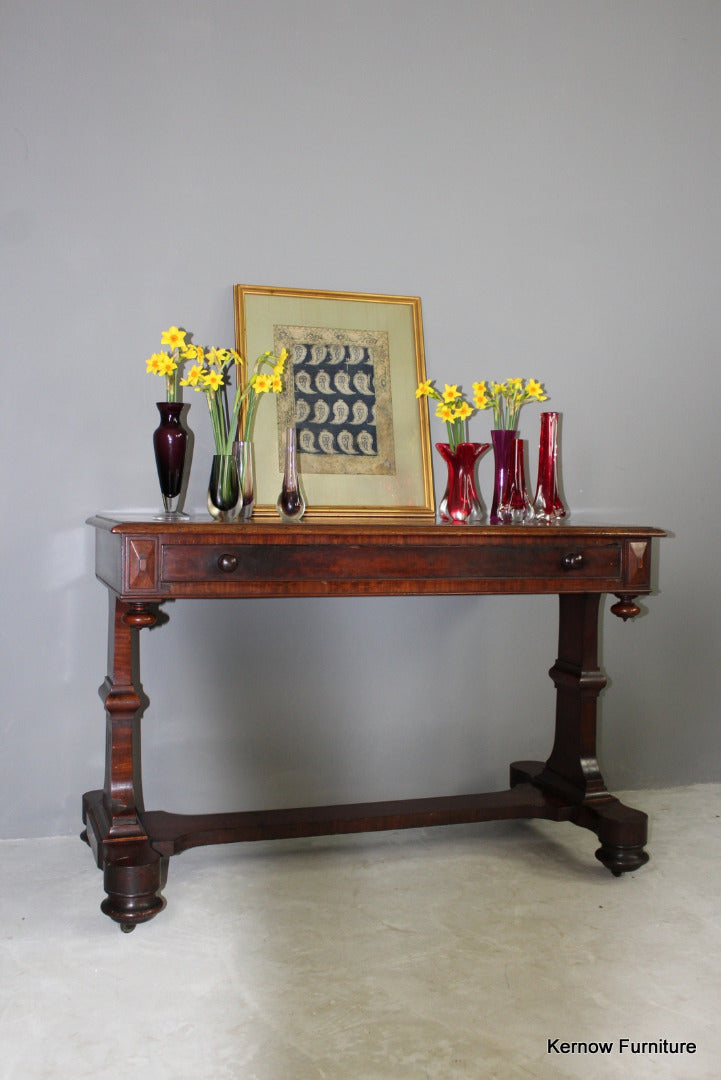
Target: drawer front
{"points": [[549, 566]]}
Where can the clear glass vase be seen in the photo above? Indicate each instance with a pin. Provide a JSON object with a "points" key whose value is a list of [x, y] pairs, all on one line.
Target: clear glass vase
{"points": [[224, 494], [290, 504], [244, 453]]}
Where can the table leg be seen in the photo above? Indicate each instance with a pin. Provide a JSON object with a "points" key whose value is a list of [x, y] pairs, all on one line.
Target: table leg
{"points": [[572, 770], [134, 873]]}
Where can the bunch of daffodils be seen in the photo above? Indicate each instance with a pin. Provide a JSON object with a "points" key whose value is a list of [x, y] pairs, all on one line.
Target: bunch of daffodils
{"points": [[452, 408], [507, 399], [210, 374], [166, 364]]}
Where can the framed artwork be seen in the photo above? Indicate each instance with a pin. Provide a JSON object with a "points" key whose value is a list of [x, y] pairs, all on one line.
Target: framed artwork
{"points": [[362, 437]]}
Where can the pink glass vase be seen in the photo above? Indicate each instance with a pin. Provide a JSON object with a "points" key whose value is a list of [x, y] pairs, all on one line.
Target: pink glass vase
{"points": [[461, 503], [503, 460], [547, 504]]}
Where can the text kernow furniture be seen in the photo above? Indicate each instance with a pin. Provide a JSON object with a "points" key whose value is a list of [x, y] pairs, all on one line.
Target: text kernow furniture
{"points": [[144, 562]]}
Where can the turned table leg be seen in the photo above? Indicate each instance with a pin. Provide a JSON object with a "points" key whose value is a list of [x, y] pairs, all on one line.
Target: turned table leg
{"points": [[133, 872], [572, 770]]}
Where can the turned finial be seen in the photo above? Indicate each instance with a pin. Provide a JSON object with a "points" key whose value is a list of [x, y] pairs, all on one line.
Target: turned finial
{"points": [[625, 608]]}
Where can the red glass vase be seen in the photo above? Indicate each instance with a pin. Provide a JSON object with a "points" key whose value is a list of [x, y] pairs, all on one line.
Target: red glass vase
{"points": [[517, 508], [503, 440], [547, 504], [461, 503]]}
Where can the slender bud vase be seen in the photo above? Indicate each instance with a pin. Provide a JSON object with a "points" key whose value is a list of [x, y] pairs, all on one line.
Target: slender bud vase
{"points": [[503, 440], [170, 443], [244, 454], [461, 503], [290, 504], [547, 505]]}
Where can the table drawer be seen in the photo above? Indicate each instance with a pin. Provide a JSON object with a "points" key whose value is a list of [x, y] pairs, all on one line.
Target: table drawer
{"points": [[553, 560]]}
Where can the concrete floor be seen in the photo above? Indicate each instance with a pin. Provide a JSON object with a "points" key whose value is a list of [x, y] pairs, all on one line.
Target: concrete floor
{"points": [[449, 954]]}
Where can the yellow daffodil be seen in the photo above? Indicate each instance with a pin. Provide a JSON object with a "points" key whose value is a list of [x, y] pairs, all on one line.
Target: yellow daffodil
{"points": [[154, 362], [446, 412], [173, 337], [463, 411], [535, 390], [194, 376], [212, 380], [261, 383], [450, 393], [424, 389], [167, 365]]}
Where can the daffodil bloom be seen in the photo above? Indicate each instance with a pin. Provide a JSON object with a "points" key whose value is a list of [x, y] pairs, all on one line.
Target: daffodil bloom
{"points": [[173, 337], [535, 390], [424, 389], [216, 357], [167, 365], [463, 411], [261, 383], [446, 412], [212, 380], [276, 382], [450, 393], [194, 376], [153, 363]]}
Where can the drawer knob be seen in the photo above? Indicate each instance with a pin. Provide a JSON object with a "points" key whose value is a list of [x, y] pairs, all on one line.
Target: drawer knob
{"points": [[228, 563], [572, 561]]}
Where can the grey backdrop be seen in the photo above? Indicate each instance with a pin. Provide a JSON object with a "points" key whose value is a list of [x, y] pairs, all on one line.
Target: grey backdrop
{"points": [[545, 176]]}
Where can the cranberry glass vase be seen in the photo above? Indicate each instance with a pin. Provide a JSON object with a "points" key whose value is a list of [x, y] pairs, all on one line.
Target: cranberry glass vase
{"points": [[170, 442], [503, 440], [518, 507], [461, 503], [547, 504]]}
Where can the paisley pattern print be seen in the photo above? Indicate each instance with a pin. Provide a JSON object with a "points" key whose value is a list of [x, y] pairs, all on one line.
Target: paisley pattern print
{"points": [[337, 393], [335, 397]]}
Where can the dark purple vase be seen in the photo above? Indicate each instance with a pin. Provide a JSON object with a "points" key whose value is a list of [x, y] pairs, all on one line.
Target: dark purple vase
{"points": [[170, 441]]}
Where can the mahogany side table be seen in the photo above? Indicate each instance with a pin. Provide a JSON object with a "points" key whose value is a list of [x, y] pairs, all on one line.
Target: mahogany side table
{"points": [[143, 562]]}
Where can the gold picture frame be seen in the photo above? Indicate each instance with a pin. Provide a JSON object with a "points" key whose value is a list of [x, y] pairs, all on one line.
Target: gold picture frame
{"points": [[355, 360]]}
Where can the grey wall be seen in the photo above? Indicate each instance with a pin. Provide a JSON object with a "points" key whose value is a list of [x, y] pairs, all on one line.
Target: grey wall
{"points": [[545, 176]]}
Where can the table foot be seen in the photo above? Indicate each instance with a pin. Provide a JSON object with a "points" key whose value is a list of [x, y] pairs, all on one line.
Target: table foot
{"points": [[133, 882], [621, 860], [622, 830]]}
